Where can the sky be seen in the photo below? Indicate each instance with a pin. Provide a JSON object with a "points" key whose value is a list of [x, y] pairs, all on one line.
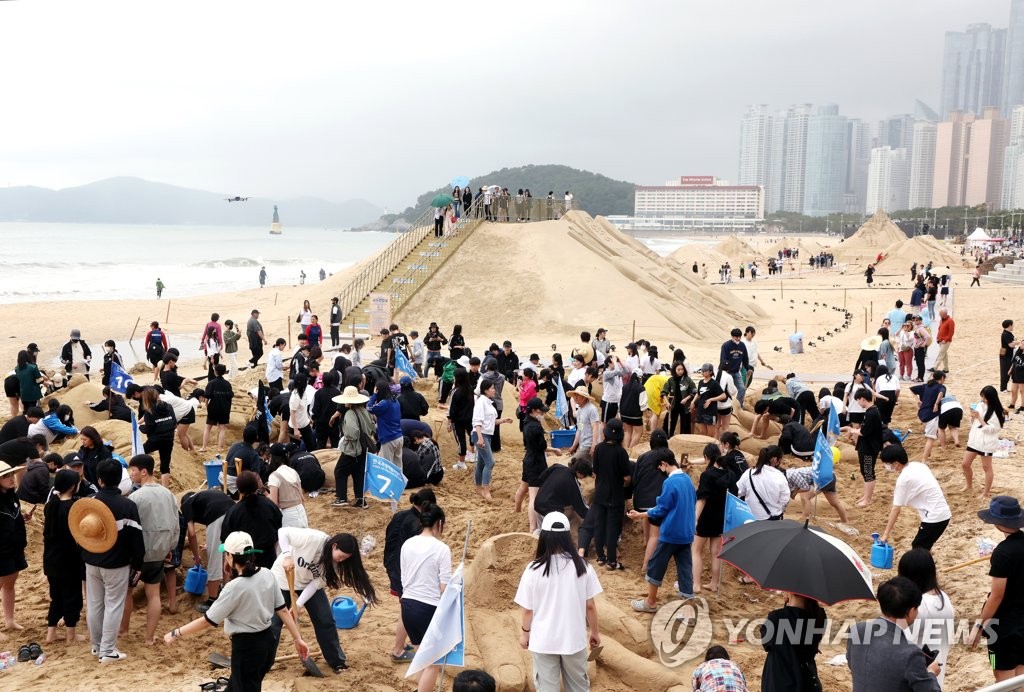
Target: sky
{"points": [[385, 100]]}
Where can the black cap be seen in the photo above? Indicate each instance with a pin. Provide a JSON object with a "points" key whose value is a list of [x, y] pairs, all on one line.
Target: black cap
{"points": [[278, 450], [32, 347], [535, 404]]}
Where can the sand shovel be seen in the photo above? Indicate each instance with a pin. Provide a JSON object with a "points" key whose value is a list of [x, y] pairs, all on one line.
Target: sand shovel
{"points": [[219, 660], [309, 664]]}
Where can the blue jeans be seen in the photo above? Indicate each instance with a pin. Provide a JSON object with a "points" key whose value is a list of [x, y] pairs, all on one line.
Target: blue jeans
{"points": [[484, 460], [658, 565]]}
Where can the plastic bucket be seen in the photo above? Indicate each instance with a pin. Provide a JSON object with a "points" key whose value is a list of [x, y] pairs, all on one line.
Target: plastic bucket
{"points": [[195, 581], [562, 438], [796, 343], [213, 469]]}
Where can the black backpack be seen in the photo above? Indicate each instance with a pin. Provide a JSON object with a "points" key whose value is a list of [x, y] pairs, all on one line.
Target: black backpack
{"points": [[368, 441]]}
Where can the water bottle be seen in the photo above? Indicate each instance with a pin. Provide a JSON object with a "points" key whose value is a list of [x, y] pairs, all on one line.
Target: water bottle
{"points": [[367, 545], [39, 661]]}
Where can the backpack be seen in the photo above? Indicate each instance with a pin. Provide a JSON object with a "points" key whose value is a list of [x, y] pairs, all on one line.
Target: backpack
{"points": [[368, 441], [156, 343], [448, 372]]}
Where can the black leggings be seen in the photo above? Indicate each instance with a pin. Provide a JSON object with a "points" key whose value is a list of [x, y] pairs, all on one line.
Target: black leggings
{"points": [[607, 529], [461, 430], [1004, 369], [807, 403], [885, 408], [679, 417], [349, 466], [65, 598], [867, 466], [308, 440], [919, 354], [609, 409], [496, 437], [164, 447], [928, 533], [446, 390]]}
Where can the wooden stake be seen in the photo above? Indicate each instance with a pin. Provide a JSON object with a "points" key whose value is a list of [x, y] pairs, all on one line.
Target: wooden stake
{"points": [[865, 320], [983, 558], [634, 332], [167, 317], [275, 299], [137, 320], [781, 294], [872, 304], [844, 299]]}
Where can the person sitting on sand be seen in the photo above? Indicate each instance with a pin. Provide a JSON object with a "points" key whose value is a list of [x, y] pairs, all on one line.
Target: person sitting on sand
{"points": [[246, 607]]}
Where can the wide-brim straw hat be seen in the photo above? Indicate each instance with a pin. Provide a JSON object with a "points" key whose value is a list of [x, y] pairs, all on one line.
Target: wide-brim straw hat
{"points": [[6, 468], [93, 526], [871, 343], [351, 395], [580, 391]]}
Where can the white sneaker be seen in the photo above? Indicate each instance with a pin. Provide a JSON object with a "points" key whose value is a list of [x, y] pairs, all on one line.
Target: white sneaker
{"points": [[459, 466], [471, 458], [95, 650], [113, 656]]}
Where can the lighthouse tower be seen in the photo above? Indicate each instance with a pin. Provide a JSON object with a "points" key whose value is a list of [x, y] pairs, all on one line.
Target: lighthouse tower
{"points": [[275, 225]]}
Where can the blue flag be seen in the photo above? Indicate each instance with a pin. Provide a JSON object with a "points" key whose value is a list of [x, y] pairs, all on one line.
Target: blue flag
{"points": [[737, 513], [561, 404], [822, 465], [137, 444], [833, 424], [402, 364], [119, 379], [383, 479]]}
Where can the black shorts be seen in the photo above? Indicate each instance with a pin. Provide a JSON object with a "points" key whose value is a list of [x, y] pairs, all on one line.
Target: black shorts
{"points": [[188, 418], [1017, 376], [215, 417], [1006, 653], [703, 417], [152, 572], [532, 473], [980, 454], [12, 388], [634, 421], [14, 563], [857, 418], [416, 616], [951, 418], [155, 358]]}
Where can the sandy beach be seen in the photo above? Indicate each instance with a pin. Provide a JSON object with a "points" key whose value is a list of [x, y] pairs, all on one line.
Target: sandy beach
{"points": [[539, 285]]}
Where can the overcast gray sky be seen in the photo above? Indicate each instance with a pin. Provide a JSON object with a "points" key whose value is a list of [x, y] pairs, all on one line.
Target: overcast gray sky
{"points": [[383, 100]]}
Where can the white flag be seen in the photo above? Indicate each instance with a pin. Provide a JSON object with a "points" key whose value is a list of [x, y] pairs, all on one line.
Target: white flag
{"points": [[446, 631]]}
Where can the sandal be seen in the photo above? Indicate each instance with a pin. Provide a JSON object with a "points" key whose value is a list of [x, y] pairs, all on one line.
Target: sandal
{"points": [[404, 658], [23, 654], [34, 651], [615, 567], [640, 605], [601, 562], [746, 581]]}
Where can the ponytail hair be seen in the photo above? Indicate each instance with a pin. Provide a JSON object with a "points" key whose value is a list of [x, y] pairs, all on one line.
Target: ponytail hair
{"points": [[765, 456], [431, 515]]}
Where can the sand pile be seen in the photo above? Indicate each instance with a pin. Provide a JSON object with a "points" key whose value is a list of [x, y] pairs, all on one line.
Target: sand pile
{"points": [[873, 237], [921, 249], [806, 246], [702, 254], [556, 278], [737, 249]]}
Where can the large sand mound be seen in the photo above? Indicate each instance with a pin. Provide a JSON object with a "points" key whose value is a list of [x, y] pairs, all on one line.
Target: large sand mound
{"points": [[921, 249], [556, 278], [700, 253], [737, 249], [873, 237]]}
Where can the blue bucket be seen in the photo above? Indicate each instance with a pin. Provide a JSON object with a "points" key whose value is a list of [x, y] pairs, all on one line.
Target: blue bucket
{"points": [[562, 438], [213, 470], [195, 581]]}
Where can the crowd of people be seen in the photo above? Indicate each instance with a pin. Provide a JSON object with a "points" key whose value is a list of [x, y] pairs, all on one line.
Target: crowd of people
{"points": [[112, 522]]}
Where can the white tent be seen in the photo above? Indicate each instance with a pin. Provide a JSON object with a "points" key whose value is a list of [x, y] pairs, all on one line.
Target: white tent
{"points": [[980, 237]]}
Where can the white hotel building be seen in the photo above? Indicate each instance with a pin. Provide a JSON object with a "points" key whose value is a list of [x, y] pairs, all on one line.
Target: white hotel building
{"points": [[695, 203]]}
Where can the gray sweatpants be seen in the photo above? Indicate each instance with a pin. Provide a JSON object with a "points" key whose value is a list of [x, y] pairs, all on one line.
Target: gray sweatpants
{"points": [[105, 592], [553, 671], [392, 450]]}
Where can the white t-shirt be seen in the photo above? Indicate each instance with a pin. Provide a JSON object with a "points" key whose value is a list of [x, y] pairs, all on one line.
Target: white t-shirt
{"points": [[484, 414], [305, 317], [632, 363], [771, 485], [852, 404], [574, 376], [950, 403], [887, 383], [306, 546], [648, 367], [426, 564], [728, 385], [299, 405], [934, 627], [829, 400], [916, 487], [275, 365], [751, 351], [559, 605]]}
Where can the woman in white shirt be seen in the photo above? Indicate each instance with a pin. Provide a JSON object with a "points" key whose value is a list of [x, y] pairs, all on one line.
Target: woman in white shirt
{"points": [[887, 383], [320, 562], [649, 363], [632, 358], [987, 419], [854, 411], [285, 488], [764, 487], [728, 385], [298, 407], [305, 315], [611, 388], [426, 569], [934, 624], [484, 418]]}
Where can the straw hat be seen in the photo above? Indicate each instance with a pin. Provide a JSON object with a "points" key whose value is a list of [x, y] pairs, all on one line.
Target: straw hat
{"points": [[580, 391], [351, 395], [93, 526], [6, 468], [871, 343]]}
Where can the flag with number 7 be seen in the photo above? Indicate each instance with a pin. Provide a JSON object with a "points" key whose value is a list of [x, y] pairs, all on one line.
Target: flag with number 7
{"points": [[383, 479]]}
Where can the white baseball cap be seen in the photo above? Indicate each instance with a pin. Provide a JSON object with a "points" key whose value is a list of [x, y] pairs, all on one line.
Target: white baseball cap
{"points": [[237, 543], [555, 521]]}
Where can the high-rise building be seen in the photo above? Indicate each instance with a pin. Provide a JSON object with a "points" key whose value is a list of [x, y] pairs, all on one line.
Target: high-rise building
{"points": [[776, 185], [969, 155], [858, 160], [972, 69], [922, 166], [888, 180], [755, 145], [827, 152], [1013, 74], [1013, 163], [794, 151]]}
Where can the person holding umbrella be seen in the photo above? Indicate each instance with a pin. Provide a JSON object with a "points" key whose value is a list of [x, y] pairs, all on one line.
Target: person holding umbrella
{"points": [[790, 636]]}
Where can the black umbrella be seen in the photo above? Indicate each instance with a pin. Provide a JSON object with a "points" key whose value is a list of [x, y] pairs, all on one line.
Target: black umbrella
{"points": [[261, 414], [796, 558]]}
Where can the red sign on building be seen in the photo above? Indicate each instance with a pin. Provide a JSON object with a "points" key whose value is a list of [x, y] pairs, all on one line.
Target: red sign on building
{"points": [[697, 180]]}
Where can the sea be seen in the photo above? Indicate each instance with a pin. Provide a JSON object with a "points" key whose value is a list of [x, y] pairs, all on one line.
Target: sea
{"points": [[60, 261], [665, 246]]}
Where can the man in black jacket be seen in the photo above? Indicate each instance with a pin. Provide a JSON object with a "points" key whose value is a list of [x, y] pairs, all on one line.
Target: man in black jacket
{"points": [[508, 362], [796, 439], [107, 573], [560, 488], [257, 516], [18, 425]]}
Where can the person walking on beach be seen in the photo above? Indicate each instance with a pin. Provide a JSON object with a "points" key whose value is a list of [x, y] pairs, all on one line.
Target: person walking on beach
{"points": [[257, 339], [944, 337], [1007, 343], [247, 607], [159, 288], [335, 321], [156, 346], [976, 277], [987, 420], [107, 566], [263, 276], [158, 515], [556, 593]]}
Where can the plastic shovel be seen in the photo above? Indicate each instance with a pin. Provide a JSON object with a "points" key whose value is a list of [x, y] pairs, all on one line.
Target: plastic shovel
{"points": [[309, 663]]}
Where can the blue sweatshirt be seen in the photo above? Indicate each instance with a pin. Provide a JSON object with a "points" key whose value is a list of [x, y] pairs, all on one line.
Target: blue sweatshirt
{"points": [[733, 356], [677, 508], [389, 418]]}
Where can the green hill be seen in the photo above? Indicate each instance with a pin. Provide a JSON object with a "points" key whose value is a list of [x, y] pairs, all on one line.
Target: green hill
{"points": [[594, 193]]}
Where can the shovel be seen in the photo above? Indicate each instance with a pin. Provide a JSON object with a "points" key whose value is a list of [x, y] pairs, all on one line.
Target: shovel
{"points": [[219, 660], [309, 664]]}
